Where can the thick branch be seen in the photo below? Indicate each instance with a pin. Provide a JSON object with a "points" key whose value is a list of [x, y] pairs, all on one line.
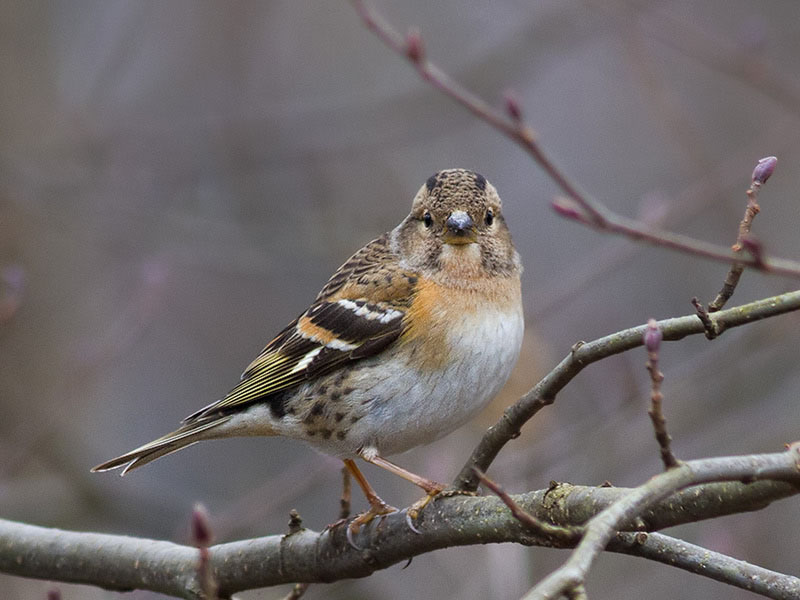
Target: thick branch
{"points": [[544, 392], [123, 563]]}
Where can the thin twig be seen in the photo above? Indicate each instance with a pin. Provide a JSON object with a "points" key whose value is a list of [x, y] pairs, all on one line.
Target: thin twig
{"points": [[652, 343], [577, 205], [202, 538], [538, 526], [295, 527], [762, 172], [708, 325]]}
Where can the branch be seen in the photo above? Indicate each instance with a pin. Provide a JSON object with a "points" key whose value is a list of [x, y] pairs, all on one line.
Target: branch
{"points": [[701, 561], [125, 563], [761, 173], [652, 342], [533, 524], [577, 205], [584, 354], [601, 529], [671, 551], [118, 562], [201, 538]]}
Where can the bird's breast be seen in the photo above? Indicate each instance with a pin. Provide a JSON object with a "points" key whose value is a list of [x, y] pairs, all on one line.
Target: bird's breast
{"points": [[445, 321], [451, 364]]}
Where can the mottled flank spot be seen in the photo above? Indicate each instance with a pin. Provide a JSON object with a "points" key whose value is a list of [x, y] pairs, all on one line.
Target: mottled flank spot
{"points": [[348, 390], [412, 279], [310, 432], [354, 419], [322, 390], [326, 433], [339, 416], [430, 183], [335, 396], [388, 278], [317, 408], [341, 434], [277, 406], [480, 181]]}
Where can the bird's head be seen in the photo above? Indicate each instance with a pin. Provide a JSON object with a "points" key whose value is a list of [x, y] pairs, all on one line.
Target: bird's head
{"points": [[456, 227]]}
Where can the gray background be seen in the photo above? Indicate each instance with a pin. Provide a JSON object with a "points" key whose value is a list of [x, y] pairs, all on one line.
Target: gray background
{"points": [[177, 180]]}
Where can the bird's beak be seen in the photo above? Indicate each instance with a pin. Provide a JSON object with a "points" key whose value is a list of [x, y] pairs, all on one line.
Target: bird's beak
{"points": [[459, 229]]}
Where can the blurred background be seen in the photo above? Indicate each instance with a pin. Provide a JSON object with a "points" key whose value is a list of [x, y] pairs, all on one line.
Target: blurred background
{"points": [[178, 180]]}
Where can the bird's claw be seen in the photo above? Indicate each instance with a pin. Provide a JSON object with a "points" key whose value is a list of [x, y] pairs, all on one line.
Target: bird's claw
{"points": [[378, 510], [350, 541], [413, 511], [410, 517]]}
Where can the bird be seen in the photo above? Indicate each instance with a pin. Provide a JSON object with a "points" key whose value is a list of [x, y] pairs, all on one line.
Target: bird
{"points": [[409, 339]]}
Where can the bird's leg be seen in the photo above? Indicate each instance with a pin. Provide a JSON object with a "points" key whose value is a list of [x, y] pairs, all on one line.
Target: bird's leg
{"points": [[344, 502], [432, 488], [377, 506]]}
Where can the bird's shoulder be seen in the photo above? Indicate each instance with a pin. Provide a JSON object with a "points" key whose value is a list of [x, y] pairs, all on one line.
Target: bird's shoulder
{"points": [[376, 274]]}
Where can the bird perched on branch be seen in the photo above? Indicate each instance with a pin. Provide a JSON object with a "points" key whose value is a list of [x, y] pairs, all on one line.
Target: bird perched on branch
{"points": [[411, 337]]}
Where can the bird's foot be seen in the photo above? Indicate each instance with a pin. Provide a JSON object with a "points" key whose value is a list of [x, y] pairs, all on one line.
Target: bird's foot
{"points": [[434, 490], [376, 509]]}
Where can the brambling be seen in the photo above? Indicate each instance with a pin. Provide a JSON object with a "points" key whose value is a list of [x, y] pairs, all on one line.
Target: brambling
{"points": [[411, 337]]}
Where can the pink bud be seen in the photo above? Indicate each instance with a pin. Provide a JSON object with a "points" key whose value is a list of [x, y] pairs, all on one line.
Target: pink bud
{"points": [[764, 169], [652, 336], [201, 526], [415, 49], [513, 107]]}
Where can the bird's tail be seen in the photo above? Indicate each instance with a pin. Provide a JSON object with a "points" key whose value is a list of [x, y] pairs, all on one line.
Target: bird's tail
{"points": [[186, 435]]}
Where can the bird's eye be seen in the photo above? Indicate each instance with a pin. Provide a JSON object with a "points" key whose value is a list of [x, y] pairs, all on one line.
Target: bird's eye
{"points": [[427, 219], [489, 217]]}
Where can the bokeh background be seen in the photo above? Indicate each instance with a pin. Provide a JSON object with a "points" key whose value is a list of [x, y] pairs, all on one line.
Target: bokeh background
{"points": [[178, 179]]}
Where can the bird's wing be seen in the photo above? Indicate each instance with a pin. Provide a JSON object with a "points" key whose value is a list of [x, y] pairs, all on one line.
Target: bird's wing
{"points": [[358, 314]]}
